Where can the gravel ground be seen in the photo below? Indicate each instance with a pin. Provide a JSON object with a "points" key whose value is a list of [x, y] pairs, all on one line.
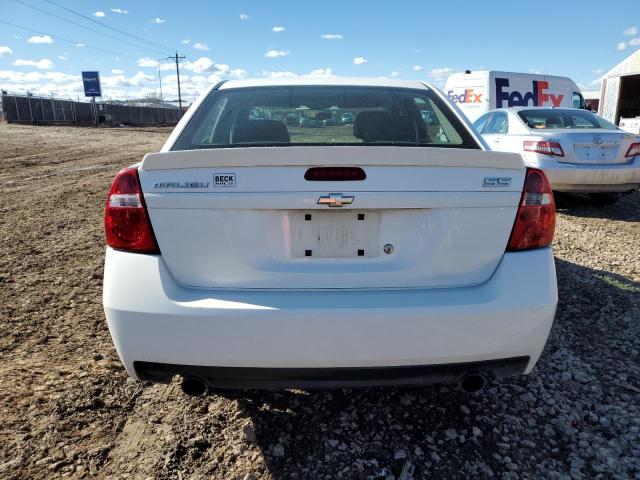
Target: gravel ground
{"points": [[67, 409]]}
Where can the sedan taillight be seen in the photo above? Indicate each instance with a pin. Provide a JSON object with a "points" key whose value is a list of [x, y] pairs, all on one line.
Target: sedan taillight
{"points": [[126, 221], [634, 149], [536, 218], [544, 147]]}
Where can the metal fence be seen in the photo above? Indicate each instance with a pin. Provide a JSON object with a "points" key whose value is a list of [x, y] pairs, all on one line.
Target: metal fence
{"points": [[29, 109]]}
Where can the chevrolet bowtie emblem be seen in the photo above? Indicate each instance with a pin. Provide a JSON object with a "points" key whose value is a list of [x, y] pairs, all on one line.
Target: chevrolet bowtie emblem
{"points": [[335, 200]]}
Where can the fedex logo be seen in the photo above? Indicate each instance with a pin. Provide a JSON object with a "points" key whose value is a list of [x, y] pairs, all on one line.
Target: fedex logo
{"points": [[468, 96], [538, 95]]}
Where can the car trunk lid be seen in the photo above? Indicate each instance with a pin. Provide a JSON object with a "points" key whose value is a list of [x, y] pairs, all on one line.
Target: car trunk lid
{"points": [[593, 147], [247, 218]]}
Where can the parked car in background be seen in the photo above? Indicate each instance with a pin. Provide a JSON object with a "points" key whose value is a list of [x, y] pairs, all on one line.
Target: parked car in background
{"points": [[347, 118], [309, 122], [386, 252], [475, 93], [578, 150]]}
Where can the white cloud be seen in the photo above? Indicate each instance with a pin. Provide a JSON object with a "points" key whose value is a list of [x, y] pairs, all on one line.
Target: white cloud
{"points": [[100, 14], [417, 68], [220, 69], [201, 65], [200, 46], [319, 72], [277, 29], [359, 60], [395, 74], [157, 20], [441, 72], [30, 77], [185, 41], [630, 32], [5, 51], [276, 53], [139, 79], [147, 62], [63, 57], [80, 45], [244, 16], [119, 10], [331, 36], [634, 42], [40, 39], [116, 86], [280, 74], [196, 77], [43, 64], [598, 71]]}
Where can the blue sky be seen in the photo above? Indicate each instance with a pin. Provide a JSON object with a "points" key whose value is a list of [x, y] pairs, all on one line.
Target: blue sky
{"points": [[416, 40]]}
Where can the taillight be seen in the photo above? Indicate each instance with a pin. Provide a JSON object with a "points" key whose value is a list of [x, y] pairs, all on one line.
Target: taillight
{"points": [[126, 222], [546, 148], [634, 149], [536, 218]]}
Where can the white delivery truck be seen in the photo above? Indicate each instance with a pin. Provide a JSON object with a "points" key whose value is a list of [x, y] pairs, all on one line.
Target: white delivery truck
{"points": [[475, 93]]}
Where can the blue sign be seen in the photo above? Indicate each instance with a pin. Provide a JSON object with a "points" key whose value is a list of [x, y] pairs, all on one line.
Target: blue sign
{"points": [[91, 81]]}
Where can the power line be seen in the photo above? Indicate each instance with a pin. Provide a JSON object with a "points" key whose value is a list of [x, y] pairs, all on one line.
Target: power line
{"points": [[88, 28], [67, 40], [105, 25]]}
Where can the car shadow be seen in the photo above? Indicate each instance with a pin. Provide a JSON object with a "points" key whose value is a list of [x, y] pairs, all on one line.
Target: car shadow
{"points": [[517, 424], [627, 208]]}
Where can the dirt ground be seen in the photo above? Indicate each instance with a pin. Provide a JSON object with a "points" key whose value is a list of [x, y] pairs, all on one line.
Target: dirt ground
{"points": [[67, 408]]}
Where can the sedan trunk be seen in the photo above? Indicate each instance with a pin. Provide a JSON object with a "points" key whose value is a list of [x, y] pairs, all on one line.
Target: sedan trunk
{"points": [[247, 217]]}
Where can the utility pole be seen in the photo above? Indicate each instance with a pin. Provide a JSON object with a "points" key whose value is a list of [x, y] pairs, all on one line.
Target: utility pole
{"points": [[160, 80], [178, 58]]}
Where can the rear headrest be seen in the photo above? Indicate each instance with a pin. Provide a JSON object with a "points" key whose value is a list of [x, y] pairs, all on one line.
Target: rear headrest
{"points": [[553, 121], [378, 126], [370, 126], [259, 131]]}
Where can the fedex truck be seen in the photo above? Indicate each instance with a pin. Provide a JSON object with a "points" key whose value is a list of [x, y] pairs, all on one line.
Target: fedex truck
{"points": [[475, 93]]}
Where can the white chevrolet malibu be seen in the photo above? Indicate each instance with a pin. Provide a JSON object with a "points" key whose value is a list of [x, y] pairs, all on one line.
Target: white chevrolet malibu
{"points": [[273, 244], [578, 150]]}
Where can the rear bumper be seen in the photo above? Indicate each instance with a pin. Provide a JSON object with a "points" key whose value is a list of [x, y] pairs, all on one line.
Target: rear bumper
{"points": [[583, 178], [242, 377], [153, 319]]}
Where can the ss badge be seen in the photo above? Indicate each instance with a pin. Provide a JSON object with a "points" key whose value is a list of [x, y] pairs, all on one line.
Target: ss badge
{"points": [[496, 182]]}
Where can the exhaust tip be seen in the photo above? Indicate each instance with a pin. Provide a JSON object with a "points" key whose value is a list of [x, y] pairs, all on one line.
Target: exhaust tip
{"points": [[472, 382], [194, 387]]}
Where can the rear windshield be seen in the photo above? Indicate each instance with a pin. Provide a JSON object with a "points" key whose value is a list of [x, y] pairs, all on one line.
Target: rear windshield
{"points": [[557, 118], [323, 115]]}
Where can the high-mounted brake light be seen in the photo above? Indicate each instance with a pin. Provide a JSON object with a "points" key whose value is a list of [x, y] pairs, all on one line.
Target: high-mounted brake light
{"points": [[126, 222], [544, 147], [536, 218], [334, 174], [634, 149]]}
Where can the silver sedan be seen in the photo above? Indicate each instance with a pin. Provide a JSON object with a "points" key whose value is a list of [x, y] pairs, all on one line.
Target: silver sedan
{"points": [[578, 150]]}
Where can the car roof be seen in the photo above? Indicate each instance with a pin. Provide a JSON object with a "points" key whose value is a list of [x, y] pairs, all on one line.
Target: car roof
{"points": [[321, 81]]}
